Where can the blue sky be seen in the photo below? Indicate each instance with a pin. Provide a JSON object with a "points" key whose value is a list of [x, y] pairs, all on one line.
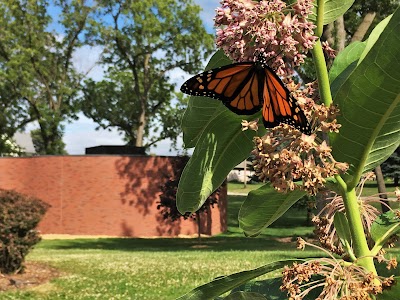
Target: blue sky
{"points": [[81, 133]]}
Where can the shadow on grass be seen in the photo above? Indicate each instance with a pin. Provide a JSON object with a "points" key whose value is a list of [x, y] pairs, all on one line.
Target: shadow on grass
{"points": [[374, 184], [281, 235], [223, 243], [231, 241]]}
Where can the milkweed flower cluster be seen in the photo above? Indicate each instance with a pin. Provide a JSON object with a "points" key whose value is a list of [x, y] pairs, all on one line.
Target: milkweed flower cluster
{"points": [[325, 230], [246, 29], [285, 155], [329, 52], [338, 280], [321, 117]]}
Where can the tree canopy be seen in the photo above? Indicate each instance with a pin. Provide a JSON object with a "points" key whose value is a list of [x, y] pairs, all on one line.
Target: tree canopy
{"points": [[355, 25], [143, 42], [39, 81]]}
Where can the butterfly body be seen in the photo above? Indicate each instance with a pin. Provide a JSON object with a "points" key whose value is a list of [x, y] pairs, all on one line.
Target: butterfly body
{"points": [[246, 88]]}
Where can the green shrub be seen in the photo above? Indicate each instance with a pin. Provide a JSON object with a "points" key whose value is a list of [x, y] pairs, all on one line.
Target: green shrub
{"points": [[19, 215]]}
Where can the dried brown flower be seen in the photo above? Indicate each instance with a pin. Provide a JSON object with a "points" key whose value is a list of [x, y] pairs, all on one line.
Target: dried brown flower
{"points": [[328, 50], [337, 279], [392, 263], [252, 125], [301, 244], [284, 155]]}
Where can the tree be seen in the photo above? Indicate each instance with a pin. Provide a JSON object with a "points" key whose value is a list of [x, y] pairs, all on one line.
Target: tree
{"points": [[37, 63], [354, 25], [109, 103], [363, 16], [14, 111], [391, 167], [143, 41], [37, 140]]}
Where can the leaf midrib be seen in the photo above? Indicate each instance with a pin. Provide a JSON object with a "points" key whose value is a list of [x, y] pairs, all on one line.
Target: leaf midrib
{"points": [[371, 141]]}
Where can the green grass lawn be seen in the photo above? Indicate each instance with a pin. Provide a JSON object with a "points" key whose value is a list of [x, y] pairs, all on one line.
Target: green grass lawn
{"points": [[370, 187], [143, 269], [162, 268]]}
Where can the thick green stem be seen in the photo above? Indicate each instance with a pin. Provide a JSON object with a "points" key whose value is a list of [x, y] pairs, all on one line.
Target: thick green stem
{"points": [[360, 245], [319, 58], [322, 74]]}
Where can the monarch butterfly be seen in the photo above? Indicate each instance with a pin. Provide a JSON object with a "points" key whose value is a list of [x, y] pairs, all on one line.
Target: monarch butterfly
{"points": [[247, 87]]}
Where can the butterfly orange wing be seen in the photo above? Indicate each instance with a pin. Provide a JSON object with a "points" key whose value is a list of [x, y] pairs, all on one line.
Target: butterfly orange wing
{"points": [[279, 106], [246, 87], [238, 86]]}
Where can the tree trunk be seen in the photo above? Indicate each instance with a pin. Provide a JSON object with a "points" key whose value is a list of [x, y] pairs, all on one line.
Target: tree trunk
{"points": [[328, 34], [143, 100], [363, 27], [340, 34], [198, 219], [43, 126], [140, 129], [381, 189]]}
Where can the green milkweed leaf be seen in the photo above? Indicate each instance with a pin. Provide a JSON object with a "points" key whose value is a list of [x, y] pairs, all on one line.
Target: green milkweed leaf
{"points": [[264, 206], [369, 100], [226, 283]]}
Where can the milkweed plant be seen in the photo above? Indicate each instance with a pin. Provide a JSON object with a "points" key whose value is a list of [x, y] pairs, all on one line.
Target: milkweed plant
{"points": [[354, 112]]}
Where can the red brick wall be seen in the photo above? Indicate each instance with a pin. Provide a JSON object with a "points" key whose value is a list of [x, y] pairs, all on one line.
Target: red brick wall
{"points": [[102, 195]]}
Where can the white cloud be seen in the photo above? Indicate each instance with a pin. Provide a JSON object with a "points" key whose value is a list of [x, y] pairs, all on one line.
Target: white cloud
{"points": [[85, 60], [82, 133], [178, 76]]}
